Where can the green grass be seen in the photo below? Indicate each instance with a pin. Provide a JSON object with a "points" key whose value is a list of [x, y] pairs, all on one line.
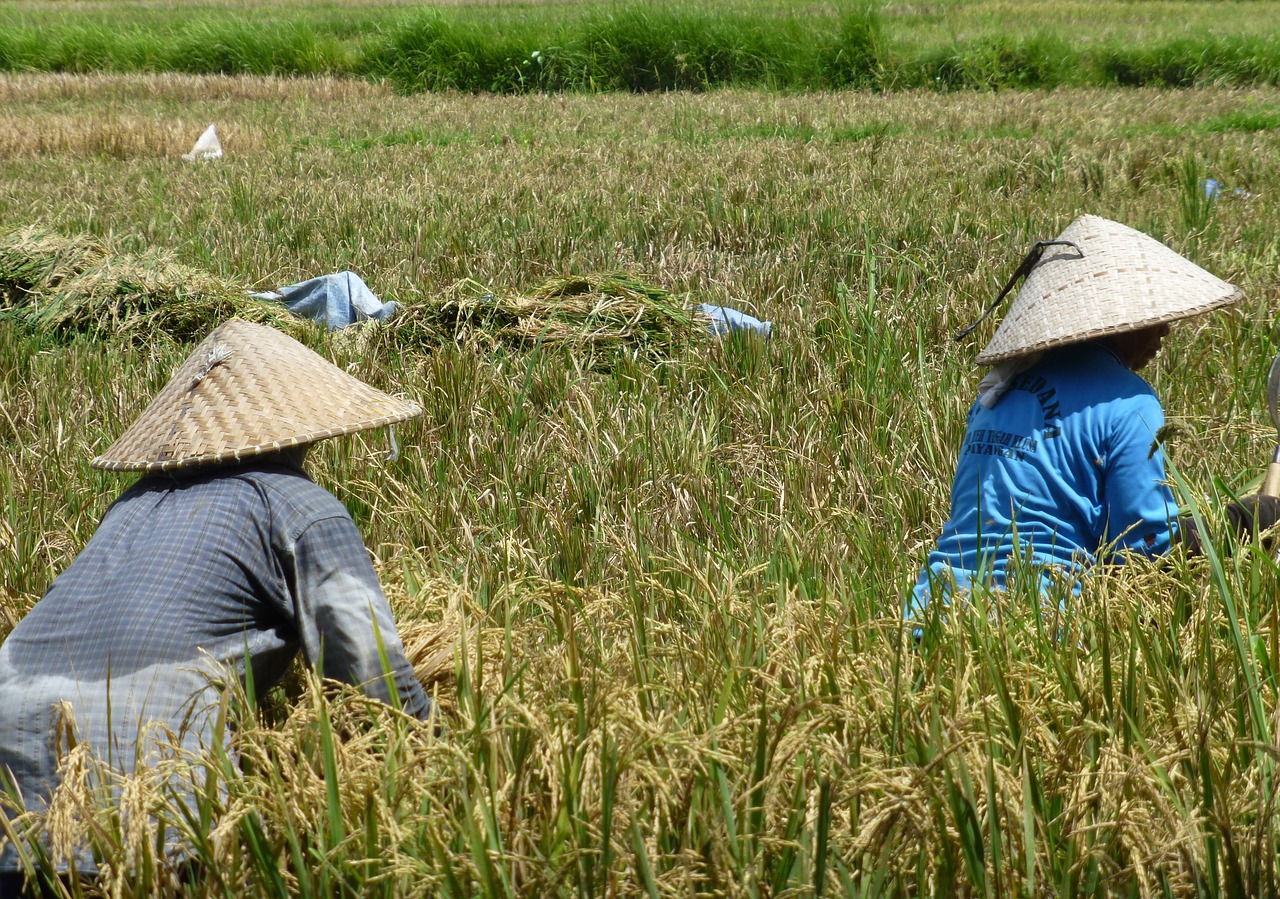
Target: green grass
{"points": [[667, 588], [645, 46]]}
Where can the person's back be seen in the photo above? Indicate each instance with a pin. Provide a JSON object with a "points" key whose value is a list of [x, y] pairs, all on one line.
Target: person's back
{"points": [[1062, 465], [177, 566], [185, 579]]}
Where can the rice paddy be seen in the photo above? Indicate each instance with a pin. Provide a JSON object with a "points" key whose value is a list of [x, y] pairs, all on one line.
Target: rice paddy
{"points": [[658, 598]]}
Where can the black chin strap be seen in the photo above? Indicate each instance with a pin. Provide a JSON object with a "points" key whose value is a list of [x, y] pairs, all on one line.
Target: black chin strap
{"points": [[1028, 263]]}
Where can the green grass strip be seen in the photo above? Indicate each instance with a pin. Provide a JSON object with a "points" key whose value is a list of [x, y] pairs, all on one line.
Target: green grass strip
{"points": [[641, 46]]}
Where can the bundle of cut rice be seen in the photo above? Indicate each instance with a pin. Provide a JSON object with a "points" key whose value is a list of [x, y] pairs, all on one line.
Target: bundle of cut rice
{"points": [[69, 286], [76, 285], [431, 650], [598, 316], [34, 260]]}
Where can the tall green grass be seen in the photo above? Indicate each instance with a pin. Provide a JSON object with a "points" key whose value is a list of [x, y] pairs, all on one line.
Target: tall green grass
{"points": [[200, 47], [648, 46]]}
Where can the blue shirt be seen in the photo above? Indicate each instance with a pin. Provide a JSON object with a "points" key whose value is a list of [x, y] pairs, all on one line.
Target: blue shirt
{"points": [[188, 577], [1062, 467]]}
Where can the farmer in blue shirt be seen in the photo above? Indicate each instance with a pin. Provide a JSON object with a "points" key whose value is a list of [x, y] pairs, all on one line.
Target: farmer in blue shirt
{"points": [[1059, 464], [223, 560]]}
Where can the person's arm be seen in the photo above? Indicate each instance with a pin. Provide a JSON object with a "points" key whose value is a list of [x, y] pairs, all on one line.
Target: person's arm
{"points": [[1248, 518], [1253, 516], [1139, 512], [338, 603]]}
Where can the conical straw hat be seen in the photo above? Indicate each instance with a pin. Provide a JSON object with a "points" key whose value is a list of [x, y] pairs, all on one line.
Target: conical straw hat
{"points": [[247, 390], [1121, 280]]}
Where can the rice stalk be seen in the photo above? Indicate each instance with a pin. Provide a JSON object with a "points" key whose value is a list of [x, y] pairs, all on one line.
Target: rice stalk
{"points": [[13, 605], [546, 769]]}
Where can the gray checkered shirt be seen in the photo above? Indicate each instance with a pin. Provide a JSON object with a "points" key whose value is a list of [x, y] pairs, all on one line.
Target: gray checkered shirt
{"points": [[184, 576]]}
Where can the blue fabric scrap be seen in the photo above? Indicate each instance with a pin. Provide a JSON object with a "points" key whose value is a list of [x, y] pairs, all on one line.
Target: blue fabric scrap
{"points": [[1213, 190], [725, 319], [334, 300]]}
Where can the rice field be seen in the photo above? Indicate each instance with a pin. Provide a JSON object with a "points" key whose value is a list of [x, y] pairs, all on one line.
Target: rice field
{"points": [[658, 598]]}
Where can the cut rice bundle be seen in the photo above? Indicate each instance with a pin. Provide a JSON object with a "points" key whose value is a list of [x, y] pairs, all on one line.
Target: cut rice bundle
{"points": [[69, 286], [34, 260], [598, 316]]}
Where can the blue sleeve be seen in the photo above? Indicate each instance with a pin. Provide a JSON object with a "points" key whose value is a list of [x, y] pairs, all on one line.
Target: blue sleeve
{"points": [[1138, 507], [338, 603]]}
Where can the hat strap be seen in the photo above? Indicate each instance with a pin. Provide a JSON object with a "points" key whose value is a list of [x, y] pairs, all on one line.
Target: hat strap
{"points": [[1024, 268]]}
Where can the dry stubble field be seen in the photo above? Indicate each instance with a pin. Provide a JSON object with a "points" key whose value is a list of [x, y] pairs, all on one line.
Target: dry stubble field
{"points": [[659, 596]]}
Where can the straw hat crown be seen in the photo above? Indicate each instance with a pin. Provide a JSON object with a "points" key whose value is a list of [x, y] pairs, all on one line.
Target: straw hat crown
{"points": [[1120, 280], [247, 390]]}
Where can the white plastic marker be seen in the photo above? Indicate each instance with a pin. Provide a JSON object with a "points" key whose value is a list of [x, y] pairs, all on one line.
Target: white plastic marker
{"points": [[207, 147]]}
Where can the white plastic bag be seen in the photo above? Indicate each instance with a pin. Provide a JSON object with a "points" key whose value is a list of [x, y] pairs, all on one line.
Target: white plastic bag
{"points": [[207, 147]]}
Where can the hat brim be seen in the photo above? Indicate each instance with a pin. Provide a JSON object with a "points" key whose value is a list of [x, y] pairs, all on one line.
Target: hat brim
{"points": [[1121, 280], [248, 390]]}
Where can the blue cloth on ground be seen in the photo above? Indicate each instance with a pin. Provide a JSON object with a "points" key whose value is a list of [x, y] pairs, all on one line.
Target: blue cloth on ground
{"points": [[334, 300], [1213, 190], [724, 320], [1062, 466]]}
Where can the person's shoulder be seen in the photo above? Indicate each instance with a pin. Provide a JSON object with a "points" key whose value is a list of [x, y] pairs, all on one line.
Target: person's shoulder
{"points": [[293, 495], [1095, 370]]}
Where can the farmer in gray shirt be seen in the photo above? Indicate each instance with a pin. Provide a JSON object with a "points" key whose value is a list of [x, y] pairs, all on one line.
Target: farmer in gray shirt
{"points": [[225, 554]]}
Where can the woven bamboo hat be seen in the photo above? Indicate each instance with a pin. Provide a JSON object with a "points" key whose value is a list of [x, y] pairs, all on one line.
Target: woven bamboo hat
{"points": [[248, 390], [1101, 278]]}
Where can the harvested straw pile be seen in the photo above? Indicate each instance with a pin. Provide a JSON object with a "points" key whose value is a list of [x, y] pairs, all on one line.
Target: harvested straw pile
{"points": [[76, 285], [596, 316], [35, 261]]}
